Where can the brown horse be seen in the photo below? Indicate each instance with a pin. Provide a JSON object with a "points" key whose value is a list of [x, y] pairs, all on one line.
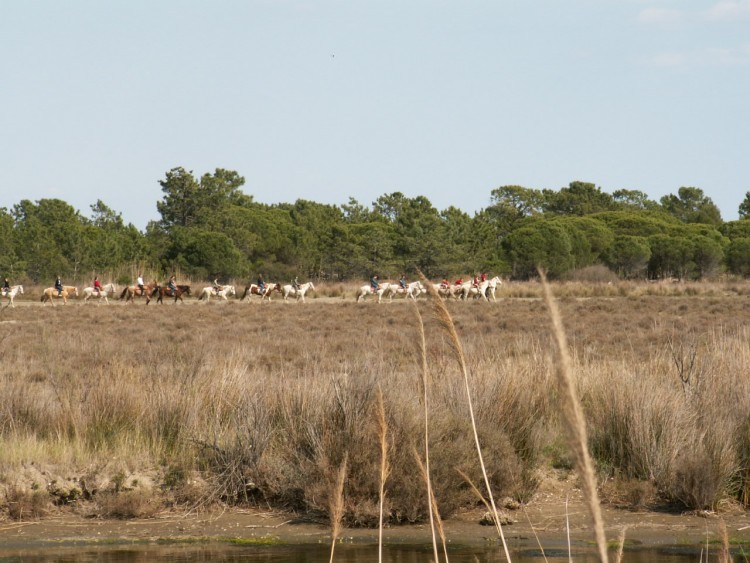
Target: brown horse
{"points": [[254, 289], [133, 291], [50, 294], [165, 291]]}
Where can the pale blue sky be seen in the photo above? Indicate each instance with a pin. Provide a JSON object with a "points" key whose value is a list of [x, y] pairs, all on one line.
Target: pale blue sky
{"points": [[329, 99]]}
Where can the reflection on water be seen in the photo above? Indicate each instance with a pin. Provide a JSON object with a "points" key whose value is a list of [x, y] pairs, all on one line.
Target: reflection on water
{"points": [[317, 554]]}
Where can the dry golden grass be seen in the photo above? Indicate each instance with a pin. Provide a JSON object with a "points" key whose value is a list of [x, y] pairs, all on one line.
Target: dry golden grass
{"points": [[258, 403]]}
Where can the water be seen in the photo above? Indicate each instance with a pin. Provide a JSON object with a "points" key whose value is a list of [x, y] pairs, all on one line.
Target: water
{"points": [[319, 553]]}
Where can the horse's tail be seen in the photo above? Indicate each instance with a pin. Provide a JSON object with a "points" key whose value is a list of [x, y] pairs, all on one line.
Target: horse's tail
{"points": [[124, 292], [43, 296], [202, 295]]}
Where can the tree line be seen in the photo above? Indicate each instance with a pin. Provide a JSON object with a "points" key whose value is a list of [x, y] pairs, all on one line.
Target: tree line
{"points": [[210, 228]]}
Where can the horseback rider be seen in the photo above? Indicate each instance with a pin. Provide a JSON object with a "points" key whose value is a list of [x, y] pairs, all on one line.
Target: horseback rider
{"points": [[97, 285], [445, 284], [475, 281], [459, 281], [172, 285], [295, 284], [6, 286], [217, 287], [261, 284], [402, 281], [139, 283], [58, 286], [484, 277], [374, 283]]}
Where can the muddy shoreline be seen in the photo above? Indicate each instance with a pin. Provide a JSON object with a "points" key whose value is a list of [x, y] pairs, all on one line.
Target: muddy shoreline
{"points": [[545, 520]]}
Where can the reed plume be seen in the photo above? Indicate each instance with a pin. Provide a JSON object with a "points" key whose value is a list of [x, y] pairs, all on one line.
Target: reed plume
{"points": [[337, 505]]}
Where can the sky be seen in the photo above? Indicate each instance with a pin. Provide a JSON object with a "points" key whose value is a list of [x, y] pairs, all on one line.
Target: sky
{"points": [[330, 99]]}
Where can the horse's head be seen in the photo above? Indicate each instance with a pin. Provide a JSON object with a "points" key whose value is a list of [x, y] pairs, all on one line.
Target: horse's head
{"points": [[276, 287], [75, 291], [311, 286], [20, 289], [186, 289]]}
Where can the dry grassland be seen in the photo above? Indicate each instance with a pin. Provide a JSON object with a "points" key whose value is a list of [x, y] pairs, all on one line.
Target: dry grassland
{"points": [[122, 411]]}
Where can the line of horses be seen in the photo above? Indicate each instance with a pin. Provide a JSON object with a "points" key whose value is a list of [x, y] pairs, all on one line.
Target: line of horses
{"points": [[160, 292], [484, 290]]}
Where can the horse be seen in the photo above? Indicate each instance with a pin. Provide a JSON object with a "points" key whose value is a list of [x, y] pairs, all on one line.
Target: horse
{"points": [[412, 290], [133, 291], [254, 289], [108, 290], [11, 293], [288, 290], [446, 291], [225, 291], [477, 291], [51, 293], [481, 291], [163, 291], [367, 289], [492, 286]]}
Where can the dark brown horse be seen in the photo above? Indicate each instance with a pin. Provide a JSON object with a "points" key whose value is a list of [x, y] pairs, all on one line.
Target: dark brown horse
{"points": [[164, 291], [133, 291]]}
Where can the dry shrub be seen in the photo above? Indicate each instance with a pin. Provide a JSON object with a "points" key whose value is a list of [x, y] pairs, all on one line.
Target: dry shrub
{"points": [[24, 504], [138, 503], [263, 402], [633, 494]]}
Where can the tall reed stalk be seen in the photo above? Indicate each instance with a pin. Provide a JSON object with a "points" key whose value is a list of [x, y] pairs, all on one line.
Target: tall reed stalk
{"points": [[444, 318], [425, 386], [384, 467], [574, 422], [433, 510]]}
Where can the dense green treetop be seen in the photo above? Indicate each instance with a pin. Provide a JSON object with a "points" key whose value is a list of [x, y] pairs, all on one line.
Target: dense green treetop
{"points": [[209, 227]]}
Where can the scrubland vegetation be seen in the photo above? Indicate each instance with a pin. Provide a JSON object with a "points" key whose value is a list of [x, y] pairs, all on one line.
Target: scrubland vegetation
{"points": [[124, 411]]}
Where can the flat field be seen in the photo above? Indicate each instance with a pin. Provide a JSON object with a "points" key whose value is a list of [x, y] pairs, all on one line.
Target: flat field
{"points": [[135, 411]]}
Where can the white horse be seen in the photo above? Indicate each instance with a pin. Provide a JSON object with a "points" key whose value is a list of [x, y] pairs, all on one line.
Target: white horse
{"points": [[492, 286], [11, 294], [224, 292], [480, 292], [445, 291], [107, 291], [413, 290], [367, 289], [288, 290], [468, 289]]}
